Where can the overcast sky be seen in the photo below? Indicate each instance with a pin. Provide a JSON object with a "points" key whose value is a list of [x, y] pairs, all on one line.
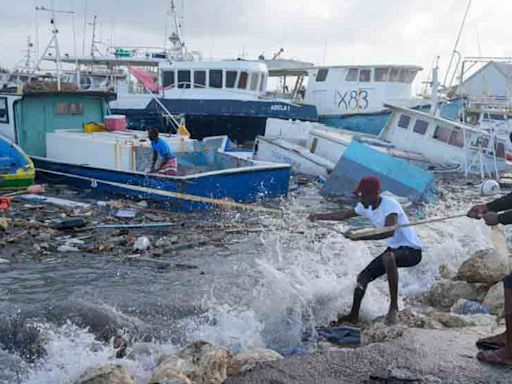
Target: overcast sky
{"points": [[319, 31]]}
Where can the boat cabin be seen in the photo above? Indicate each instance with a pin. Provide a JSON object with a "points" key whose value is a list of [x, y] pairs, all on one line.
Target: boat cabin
{"points": [[213, 79], [343, 90]]}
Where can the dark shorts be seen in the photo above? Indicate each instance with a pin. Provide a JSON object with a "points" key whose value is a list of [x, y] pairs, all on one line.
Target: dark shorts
{"points": [[507, 281], [404, 256]]}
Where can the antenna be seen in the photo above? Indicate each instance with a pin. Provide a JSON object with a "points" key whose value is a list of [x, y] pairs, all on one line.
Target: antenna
{"points": [[455, 52], [93, 40], [54, 41]]}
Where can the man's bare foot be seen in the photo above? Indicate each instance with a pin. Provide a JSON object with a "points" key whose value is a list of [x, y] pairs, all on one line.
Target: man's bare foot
{"points": [[391, 317], [492, 342], [500, 356], [343, 319]]}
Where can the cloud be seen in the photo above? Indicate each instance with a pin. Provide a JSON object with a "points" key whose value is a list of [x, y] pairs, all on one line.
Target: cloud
{"points": [[330, 31]]}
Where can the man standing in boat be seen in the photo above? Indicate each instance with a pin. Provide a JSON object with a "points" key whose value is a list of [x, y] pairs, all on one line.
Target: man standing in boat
{"points": [[168, 161], [404, 246], [499, 347]]}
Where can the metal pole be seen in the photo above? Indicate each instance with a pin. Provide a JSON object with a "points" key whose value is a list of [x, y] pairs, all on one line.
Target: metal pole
{"points": [[457, 42]]}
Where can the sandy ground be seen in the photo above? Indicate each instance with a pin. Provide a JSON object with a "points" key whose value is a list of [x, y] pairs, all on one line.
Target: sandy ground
{"points": [[419, 356]]}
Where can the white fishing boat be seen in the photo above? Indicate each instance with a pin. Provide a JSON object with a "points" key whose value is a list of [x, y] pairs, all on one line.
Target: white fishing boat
{"points": [[352, 97], [314, 149], [440, 140]]}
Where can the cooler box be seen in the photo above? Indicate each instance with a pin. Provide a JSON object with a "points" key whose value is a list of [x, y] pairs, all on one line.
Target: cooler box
{"points": [[93, 127], [115, 122]]}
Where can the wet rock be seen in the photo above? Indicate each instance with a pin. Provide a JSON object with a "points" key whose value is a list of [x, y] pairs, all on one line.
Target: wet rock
{"points": [[379, 332], [106, 374], [451, 320], [247, 360], [168, 375], [495, 299], [485, 266], [446, 272], [445, 293], [201, 362]]}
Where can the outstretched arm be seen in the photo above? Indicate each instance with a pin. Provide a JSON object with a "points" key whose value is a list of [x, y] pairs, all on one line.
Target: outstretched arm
{"points": [[391, 222], [334, 216], [502, 204]]}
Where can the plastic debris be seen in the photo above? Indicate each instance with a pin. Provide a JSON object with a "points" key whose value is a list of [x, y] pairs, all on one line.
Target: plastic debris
{"points": [[69, 223], [55, 201], [142, 244], [67, 248], [126, 213], [469, 307], [4, 224], [489, 188]]}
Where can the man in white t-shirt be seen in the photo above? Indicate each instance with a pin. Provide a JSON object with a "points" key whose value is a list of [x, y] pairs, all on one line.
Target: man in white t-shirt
{"points": [[404, 246]]}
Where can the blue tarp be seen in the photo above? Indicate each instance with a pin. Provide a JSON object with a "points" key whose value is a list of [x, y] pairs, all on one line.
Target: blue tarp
{"points": [[397, 176]]}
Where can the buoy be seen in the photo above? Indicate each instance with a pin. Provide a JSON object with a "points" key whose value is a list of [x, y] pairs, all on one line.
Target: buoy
{"points": [[489, 188]]}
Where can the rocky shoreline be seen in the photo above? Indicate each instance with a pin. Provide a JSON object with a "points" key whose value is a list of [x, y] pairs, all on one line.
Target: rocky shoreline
{"points": [[434, 342]]}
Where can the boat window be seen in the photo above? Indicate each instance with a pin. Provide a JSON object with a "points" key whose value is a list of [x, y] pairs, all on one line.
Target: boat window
{"points": [[403, 75], [168, 79], [381, 74], [500, 150], [352, 74], [420, 126], [242, 80], [404, 121], [4, 117], [199, 79], [215, 78], [253, 82], [73, 109], [322, 74], [365, 75], [394, 73], [183, 79], [231, 79], [411, 75], [457, 138], [263, 83], [442, 134]]}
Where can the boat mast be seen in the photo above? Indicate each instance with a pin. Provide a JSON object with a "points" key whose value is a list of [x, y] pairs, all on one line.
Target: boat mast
{"points": [[54, 41], [177, 45], [455, 52]]}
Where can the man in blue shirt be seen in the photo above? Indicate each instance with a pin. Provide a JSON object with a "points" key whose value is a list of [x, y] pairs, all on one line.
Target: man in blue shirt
{"points": [[168, 162]]}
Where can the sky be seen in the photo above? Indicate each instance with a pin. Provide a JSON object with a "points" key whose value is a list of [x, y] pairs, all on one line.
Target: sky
{"points": [[325, 32]]}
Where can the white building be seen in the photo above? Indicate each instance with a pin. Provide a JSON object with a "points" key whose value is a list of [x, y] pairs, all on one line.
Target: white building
{"points": [[494, 80]]}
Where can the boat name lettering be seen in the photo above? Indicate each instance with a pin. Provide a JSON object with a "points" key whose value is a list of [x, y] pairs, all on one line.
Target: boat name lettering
{"points": [[353, 100], [280, 107]]}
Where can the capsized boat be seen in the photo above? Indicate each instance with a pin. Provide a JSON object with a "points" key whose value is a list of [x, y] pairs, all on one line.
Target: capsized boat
{"points": [[52, 128], [16, 168], [468, 148]]}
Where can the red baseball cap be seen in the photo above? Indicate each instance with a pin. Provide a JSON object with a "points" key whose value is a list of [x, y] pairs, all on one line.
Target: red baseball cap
{"points": [[368, 186]]}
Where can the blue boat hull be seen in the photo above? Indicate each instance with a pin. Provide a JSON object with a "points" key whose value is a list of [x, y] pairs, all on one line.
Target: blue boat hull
{"points": [[372, 123], [396, 175], [241, 120], [244, 186]]}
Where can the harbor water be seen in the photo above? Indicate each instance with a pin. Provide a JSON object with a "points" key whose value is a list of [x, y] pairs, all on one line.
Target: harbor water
{"points": [[265, 288]]}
